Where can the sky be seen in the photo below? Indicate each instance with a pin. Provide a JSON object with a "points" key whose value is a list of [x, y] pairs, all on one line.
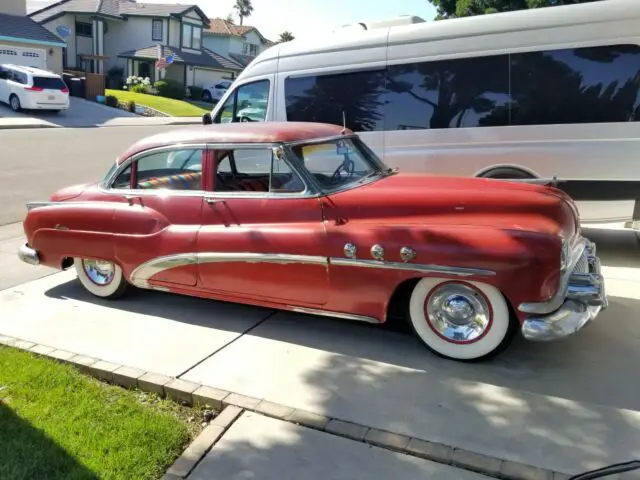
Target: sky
{"points": [[303, 18]]}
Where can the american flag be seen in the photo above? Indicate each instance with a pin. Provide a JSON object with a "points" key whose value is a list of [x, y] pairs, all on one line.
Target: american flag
{"points": [[161, 63]]}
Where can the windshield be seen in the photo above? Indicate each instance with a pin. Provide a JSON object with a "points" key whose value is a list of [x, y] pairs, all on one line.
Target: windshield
{"points": [[337, 163]]}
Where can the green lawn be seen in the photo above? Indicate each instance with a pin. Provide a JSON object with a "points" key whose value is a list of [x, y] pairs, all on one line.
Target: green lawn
{"points": [[175, 108], [56, 423]]}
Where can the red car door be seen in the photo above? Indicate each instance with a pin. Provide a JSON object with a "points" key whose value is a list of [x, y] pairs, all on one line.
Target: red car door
{"points": [[262, 235], [156, 229]]}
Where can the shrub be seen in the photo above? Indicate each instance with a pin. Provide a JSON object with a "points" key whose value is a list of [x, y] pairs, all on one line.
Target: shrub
{"points": [[140, 88], [115, 77], [111, 101], [131, 106], [195, 92], [170, 89]]}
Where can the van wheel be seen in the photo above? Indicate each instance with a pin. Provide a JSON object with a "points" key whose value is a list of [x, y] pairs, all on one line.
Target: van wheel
{"points": [[101, 278], [507, 173], [461, 320], [206, 96], [14, 102]]}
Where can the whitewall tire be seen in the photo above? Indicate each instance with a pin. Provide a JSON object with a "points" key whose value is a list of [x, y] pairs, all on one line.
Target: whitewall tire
{"points": [[460, 320], [101, 278]]}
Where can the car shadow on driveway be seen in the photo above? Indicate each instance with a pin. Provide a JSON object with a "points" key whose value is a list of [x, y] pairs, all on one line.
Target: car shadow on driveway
{"points": [[537, 403]]}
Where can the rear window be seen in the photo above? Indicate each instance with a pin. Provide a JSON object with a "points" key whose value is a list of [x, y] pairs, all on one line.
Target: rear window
{"points": [[49, 83]]}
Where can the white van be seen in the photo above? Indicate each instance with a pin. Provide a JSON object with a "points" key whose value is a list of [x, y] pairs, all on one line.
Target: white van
{"points": [[520, 95]]}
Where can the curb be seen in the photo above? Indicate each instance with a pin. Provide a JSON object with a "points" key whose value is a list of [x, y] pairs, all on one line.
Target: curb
{"points": [[233, 404], [26, 126]]}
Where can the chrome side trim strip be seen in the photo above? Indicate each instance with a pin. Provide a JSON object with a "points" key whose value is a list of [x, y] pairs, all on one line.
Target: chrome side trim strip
{"points": [[142, 273], [327, 313], [219, 257], [411, 267]]}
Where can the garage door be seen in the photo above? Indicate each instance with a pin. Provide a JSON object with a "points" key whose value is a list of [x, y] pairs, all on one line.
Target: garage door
{"points": [[204, 77], [28, 57]]}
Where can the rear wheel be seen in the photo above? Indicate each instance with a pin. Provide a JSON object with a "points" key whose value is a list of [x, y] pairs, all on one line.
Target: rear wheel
{"points": [[460, 320], [14, 103], [101, 278], [206, 96]]}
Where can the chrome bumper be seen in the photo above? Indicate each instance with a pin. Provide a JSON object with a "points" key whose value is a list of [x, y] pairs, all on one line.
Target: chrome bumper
{"points": [[580, 299], [28, 255]]}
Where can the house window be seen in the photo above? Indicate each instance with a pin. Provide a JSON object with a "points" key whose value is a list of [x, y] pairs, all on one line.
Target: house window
{"points": [[84, 29], [250, 49], [191, 36], [156, 30]]}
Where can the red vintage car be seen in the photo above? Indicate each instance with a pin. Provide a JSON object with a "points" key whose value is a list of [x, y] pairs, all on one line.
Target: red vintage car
{"points": [[305, 217]]}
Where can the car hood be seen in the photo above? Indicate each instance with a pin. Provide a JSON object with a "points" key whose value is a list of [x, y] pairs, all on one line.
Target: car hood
{"points": [[420, 198]]}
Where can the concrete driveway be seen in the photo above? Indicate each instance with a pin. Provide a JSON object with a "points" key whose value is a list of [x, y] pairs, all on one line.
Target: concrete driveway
{"points": [[568, 406]]}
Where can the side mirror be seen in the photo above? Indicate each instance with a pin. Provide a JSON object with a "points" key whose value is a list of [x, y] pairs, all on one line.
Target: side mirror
{"points": [[206, 119]]}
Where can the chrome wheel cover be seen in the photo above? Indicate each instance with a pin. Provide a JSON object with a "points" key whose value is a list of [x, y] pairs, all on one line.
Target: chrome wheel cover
{"points": [[458, 313], [99, 272]]}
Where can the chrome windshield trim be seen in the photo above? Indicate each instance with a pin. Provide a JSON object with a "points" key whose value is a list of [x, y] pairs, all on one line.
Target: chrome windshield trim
{"points": [[411, 267], [328, 313]]}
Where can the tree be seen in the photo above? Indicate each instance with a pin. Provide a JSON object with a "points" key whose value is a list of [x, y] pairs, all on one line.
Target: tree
{"points": [[286, 36], [230, 18], [467, 8], [244, 8]]}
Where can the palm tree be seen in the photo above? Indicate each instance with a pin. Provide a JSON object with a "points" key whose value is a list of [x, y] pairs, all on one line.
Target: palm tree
{"points": [[230, 18], [286, 36], [244, 9]]}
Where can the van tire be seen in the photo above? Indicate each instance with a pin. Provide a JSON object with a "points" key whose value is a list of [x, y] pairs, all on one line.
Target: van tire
{"points": [[14, 103]]}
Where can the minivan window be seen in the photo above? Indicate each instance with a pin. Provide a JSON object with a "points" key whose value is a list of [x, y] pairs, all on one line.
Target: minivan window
{"points": [[50, 83], [246, 103]]}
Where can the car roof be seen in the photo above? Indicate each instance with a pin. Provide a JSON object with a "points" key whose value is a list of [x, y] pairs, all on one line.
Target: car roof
{"points": [[32, 70], [250, 132]]}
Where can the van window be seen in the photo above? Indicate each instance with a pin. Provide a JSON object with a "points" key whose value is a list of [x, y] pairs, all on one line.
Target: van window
{"points": [[458, 93], [576, 85], [247, 103], [325, 98], [49, 83]]}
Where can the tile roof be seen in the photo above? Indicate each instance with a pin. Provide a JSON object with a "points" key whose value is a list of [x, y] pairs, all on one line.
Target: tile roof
{"points": [[114, 8], [20, 27], [223, 27], [208, 58], [243, 60], [65, 6]]}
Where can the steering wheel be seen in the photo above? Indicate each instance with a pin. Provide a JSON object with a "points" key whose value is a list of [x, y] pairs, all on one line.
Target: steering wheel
{"points": [[348, 165]]}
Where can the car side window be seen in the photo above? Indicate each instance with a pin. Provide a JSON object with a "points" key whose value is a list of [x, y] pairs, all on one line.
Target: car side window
{"points": [[123, 181], [246, 103], [179, 169], [255, 170]]}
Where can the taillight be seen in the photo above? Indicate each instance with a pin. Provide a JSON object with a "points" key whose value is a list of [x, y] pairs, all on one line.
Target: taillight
{"points": [[34, 89], [64, 90]]}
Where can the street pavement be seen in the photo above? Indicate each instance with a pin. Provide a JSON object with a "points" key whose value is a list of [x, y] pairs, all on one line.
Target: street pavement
{"points": [[36, 162], [82, 113], [568, 406]]}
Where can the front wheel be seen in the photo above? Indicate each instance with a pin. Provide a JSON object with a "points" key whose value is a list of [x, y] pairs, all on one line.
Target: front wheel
{"points": [[101, 278], [460, 320]]}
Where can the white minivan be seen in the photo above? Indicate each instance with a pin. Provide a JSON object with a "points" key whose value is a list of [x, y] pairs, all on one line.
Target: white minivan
{"points": [[532, 94], [32, 89]]}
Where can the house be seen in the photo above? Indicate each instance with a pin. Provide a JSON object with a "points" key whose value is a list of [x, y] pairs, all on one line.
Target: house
{"points": [[26, 42], [241, 43], [102, 34]]}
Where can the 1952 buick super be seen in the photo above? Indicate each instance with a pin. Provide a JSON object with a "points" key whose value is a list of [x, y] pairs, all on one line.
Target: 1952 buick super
{"points": [[305, 217]]}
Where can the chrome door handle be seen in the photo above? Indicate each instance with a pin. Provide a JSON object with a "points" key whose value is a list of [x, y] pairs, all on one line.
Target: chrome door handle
{"points": [[212, 201], [131, 198]]}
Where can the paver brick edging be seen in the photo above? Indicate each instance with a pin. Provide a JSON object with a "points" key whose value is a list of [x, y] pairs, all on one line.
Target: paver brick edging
{"points": [[233, 404]]}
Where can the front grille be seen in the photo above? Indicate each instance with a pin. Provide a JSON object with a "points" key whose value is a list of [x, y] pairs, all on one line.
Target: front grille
{"points": [[582, 266]]}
